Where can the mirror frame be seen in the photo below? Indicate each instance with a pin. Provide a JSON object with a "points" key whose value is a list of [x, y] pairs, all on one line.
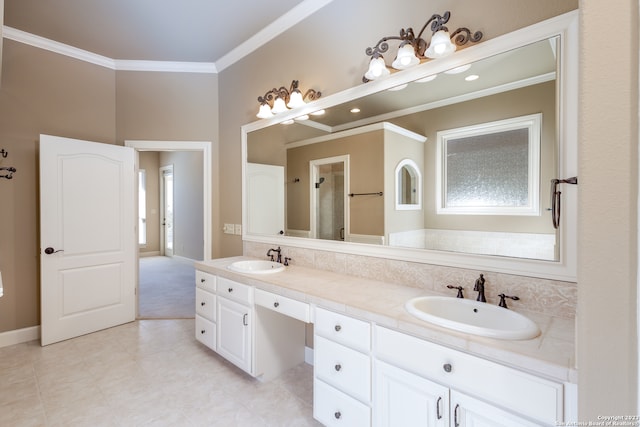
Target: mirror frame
{"points": [[566, 27]]}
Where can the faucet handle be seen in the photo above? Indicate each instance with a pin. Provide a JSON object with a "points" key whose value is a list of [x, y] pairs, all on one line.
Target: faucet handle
{"points": [[286, 260], [503, 303], [459, 288]]}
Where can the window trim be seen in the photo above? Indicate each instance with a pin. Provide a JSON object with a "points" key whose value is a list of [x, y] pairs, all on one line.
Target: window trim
{"points": [[530, 122]]}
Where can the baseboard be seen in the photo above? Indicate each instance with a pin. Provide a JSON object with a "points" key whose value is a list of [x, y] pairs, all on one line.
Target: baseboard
{"points": [[148, 254], [308, 356], [18, 336]]}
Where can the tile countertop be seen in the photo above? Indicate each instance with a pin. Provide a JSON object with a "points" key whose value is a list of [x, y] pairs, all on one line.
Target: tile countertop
{"points": [[551, 354]]}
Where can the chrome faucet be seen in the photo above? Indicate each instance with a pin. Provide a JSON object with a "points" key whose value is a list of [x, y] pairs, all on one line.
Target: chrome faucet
{"points": [[279, 251], [479, 287]]}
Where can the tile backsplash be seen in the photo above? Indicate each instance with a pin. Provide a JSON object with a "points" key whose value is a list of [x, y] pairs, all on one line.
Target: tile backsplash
{"points": [[550, 297]]}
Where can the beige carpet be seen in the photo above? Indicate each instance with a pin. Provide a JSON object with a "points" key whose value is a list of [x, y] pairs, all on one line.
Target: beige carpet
{"points": [[167, 289]]}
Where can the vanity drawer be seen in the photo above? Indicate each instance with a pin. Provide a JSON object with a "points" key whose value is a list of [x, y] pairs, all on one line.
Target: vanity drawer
{"points": [[287, 306], [205, 281], [346, 330], [517, 391], [235, 291], [334, 408], [206, 332], [206, 304], [342, 367]]}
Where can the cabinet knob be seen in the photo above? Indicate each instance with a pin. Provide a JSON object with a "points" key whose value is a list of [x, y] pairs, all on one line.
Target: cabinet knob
{"points": [[202, 280], [276, 304], [203, 303], [230, 289], [202, 331], [338, 415], [337, 328], [447, 367], [338, 367]]}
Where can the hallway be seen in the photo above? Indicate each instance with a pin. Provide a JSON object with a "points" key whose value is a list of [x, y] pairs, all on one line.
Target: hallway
{"points": [[166, 289]]}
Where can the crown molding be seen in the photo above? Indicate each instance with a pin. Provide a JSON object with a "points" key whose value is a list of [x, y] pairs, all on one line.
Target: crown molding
{"points": [[166, 66], [271, 31], [277, 27], [56, 47]]}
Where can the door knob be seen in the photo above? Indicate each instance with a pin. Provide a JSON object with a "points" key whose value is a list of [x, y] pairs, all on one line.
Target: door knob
{"points": [[50, 250]]}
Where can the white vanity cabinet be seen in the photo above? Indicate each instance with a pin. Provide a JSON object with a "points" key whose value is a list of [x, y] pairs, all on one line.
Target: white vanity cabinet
{"points": [[206, 309], [420, 380], [234, 324], [342, 370]]}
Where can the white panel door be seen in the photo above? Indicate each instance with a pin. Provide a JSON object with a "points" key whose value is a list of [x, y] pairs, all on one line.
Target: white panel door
{"points": [[404, 399], [87, 237], [234, 333], [265, 188]]}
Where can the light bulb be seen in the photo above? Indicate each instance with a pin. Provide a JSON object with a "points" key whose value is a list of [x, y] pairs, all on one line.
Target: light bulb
{"points": [[265, 111], [295, 99], [279, 106], [377, 69], [406, 58], [440, 46]]}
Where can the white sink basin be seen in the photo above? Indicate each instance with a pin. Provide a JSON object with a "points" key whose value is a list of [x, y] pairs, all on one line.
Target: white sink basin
{"points": [[256, 267], [473, 317]]}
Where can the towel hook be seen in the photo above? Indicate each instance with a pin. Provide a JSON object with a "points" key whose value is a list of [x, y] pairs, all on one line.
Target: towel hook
{"points": [[4, 153]]}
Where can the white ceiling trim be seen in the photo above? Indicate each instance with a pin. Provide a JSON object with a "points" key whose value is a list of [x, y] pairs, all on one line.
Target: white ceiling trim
{"points": [[283, 23], [56, 47], [271, 31], [167, 66]]}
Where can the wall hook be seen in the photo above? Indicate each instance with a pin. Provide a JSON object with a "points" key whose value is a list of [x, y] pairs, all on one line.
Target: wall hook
{"points": [[9, 175], [4, 153]]}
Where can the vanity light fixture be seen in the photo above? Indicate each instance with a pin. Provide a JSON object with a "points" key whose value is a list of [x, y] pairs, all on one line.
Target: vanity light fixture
{"points": [[280, 100], [412, 50]]}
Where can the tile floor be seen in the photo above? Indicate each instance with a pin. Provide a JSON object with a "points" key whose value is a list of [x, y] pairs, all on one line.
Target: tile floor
{"points": [[145, 373]]}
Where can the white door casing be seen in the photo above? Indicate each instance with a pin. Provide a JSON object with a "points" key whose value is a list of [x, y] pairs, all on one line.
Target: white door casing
{"points": [[87, 221], [166, 205]]}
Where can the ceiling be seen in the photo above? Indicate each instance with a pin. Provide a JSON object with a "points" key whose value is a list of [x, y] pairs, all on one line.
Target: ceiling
{"points": [[158, 30]]}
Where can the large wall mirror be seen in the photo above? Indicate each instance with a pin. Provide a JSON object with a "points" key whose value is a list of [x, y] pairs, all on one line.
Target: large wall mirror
{"points": [[524, 84]]}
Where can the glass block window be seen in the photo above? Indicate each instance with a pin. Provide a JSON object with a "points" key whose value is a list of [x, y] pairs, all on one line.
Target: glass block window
{"points": [[490, 168]]}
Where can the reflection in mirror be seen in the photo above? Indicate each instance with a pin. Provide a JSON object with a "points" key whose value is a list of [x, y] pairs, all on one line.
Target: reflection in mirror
{"points": [[408, 185], [519, 82]]}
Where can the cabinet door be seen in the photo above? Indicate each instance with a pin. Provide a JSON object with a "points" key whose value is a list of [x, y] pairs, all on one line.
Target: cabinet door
{"points": [[469, 412], [404, 399], [234, 333]]}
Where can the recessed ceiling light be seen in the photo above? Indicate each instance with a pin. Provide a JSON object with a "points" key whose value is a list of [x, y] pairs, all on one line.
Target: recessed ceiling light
{"points": [[355, 110], [318, 113], [427, 79], [288, 122], [399, 87], [472, 77], [458, 70]]}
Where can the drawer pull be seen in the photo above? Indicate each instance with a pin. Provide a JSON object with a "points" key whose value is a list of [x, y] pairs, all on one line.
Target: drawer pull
{"points": [[203, 332], [276, 304], [203, 303], [338, 415], [337, 328], [230, 290], [455, 416], [447, 367], [338, 367]]}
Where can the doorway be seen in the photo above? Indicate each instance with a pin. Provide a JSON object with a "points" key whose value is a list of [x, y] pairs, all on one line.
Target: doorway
{"points": [[329, 201], [171, 253]]}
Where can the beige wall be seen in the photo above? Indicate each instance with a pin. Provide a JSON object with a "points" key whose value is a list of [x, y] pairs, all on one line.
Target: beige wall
{"points": [[608, 214], [41, 92], [188, 203], [365, 161]]}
